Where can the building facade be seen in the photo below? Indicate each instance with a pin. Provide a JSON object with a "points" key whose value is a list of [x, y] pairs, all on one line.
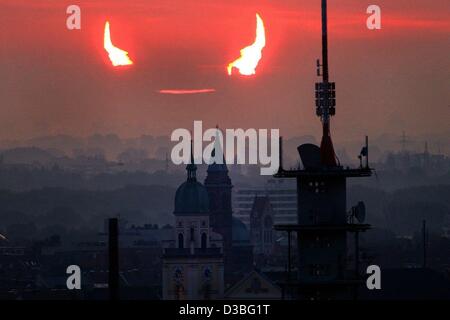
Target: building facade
{"points": [[282, 194], [261, 226]]}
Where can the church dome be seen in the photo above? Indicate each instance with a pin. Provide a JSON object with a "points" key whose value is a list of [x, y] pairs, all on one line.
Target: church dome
{"points": [[191, 197]]}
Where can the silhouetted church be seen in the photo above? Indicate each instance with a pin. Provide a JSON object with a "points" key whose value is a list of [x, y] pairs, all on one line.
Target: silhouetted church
{"points": [[210, 248], [193, 260]]}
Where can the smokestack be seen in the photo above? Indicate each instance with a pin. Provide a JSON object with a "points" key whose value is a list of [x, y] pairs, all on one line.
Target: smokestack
{"points": [[113, 247], [425, 242]]}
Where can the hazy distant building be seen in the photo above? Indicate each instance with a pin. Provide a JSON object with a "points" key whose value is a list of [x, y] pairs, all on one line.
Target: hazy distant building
{"points": [[406, 160], [261, 226], [282, 194]]}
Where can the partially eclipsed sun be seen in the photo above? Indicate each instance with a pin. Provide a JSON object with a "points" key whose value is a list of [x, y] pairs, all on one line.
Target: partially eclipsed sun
{"points": [[117, 56], [251, 55]]}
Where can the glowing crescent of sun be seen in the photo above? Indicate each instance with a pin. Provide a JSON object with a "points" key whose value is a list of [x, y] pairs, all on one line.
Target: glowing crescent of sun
{"points": [[117, 56], [251, 55]]}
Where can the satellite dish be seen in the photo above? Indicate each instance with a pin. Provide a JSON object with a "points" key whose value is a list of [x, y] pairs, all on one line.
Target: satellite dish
{"points": [[310, 155], [360, 212]]}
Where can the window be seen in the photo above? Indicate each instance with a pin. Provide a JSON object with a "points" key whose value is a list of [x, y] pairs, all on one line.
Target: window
{"points": [[317, 186], [206, 291], [268, 225], [268, 222], [204, 243], [180, 241], [319, 270], [192, 234], [179, 291]]}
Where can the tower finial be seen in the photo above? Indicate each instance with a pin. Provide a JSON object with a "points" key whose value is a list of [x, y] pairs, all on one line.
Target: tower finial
{"points": [[218, 149], [191, 167]]}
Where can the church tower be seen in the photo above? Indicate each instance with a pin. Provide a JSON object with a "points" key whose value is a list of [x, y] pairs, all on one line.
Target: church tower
{"points": [[218, 184], [193, 258]]}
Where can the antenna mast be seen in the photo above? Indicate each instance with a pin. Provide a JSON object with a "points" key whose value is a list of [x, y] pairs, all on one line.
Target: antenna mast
{"points": [[325, 98], [324, 42]]}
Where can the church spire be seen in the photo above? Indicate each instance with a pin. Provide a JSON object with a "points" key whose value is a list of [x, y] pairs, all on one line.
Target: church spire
{"points": [[191, 167], [217, 166]]}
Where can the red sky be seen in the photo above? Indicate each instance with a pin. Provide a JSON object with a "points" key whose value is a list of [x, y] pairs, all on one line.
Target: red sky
{"points": [[53, 80]]}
